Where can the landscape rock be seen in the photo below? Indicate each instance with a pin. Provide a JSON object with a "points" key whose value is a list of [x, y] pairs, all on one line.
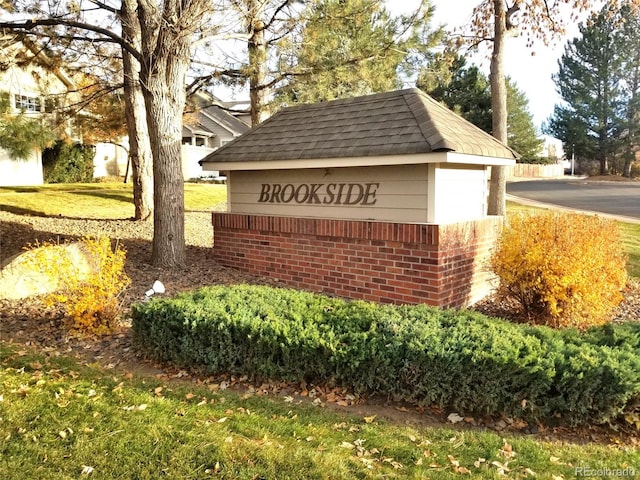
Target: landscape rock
{"points": [[33, 272]]}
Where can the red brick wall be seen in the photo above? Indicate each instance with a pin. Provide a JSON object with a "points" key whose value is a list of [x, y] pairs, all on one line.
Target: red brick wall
{"points": [[442, 265]]}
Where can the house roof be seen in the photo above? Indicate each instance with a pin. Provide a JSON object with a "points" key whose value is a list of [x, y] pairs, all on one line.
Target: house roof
{"points": [[401, 122], [213, 115], [223, 118]]}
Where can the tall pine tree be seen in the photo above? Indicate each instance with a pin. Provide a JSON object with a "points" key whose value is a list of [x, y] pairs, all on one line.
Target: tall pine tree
{"points": [[464, 89], [631, 138], [592, 120]]}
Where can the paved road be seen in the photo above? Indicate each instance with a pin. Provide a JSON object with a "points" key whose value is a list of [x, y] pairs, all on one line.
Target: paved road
{"points": [[605, 197]]}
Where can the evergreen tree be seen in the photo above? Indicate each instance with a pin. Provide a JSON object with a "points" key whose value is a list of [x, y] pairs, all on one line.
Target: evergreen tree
{"points": [[631, 135], [521, 132], [466, 91], [351, 47], [590, 80]]}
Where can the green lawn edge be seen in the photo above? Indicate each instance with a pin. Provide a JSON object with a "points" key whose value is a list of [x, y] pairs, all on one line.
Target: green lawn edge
{"points": [[61, 418]]}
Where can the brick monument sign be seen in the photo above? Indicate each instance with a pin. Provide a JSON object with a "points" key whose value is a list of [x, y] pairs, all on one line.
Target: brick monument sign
{"points": [[381, 197]]}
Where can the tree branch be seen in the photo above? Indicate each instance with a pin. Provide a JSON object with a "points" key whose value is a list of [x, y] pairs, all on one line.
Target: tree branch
{"points": [[511, 11], [30, 25], [104, 6], [273, 18]]}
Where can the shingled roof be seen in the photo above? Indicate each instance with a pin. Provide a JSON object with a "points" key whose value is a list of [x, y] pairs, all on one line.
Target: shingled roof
{"points": [[210, 118], [394, 123]]}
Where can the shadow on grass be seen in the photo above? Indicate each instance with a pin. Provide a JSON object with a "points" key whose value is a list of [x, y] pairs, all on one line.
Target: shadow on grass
{"points": [[20, 189], [109, 195], [63, 187], [21, 211], [34, 213]]}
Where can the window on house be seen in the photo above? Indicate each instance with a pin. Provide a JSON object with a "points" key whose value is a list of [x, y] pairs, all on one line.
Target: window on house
{"points": [[27, 103]]}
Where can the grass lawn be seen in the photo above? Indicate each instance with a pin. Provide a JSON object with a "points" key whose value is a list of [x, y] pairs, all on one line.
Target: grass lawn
{"points": [[98, 200], [63, 420], [60, 419], [631, 241]]}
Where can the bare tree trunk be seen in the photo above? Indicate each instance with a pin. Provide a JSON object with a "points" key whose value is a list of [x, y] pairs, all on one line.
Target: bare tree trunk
{"points": [[497, 186], [603, 153], [166, 50], [632, 118], [257, 49], [139, 145], [626, 169], [603, 140]]}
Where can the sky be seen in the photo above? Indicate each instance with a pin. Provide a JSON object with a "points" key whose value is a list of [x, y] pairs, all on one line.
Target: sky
{"points": [[531, 73]]}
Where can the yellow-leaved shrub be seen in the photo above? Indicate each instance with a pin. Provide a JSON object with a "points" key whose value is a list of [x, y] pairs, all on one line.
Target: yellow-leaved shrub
{"points": [[91, 298], [564, 269]]}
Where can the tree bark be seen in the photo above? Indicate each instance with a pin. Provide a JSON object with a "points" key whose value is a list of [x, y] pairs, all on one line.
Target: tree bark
{"points": [[135, 112], [166, 50], [603, 152], [632, 117], [497, 185], [603, 134], [257, 49], [258, 72]]}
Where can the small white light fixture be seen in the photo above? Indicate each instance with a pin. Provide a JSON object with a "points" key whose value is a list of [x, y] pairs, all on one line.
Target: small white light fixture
{"points": [[157, 287]]}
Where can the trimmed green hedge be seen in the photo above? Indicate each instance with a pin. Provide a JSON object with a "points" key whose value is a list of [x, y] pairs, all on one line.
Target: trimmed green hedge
{"points": [[459, 360]]}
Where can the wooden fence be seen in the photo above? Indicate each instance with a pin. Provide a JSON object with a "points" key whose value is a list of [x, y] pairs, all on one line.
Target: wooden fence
{"points": [[526, 170]]}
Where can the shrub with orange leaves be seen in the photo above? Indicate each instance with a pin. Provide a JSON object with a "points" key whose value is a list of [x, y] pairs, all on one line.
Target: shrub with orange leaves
{"points": [[565, 270], [90, 297]]}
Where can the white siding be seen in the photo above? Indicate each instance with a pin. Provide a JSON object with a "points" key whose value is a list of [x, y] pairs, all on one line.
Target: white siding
{"points": [[20, 172], [32, 81], [111, 160], [459, 194], [190, 166]]}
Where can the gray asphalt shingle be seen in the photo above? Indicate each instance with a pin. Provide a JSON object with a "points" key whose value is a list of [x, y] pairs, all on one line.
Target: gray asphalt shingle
{"points": [[392, 123]]}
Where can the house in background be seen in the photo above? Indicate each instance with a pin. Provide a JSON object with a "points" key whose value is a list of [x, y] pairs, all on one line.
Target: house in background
{"points": [[111, 159], [552, 149], [208, 125], [34, 85]]}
